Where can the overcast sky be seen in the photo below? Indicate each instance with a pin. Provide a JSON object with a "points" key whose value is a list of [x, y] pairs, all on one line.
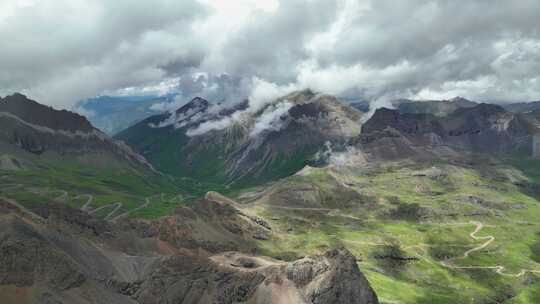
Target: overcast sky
{"points": [[61, 51]]}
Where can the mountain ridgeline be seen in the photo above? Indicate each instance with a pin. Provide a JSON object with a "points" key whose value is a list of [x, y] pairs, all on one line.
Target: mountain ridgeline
{"points": [[37, 114], [484, 128], [47, 154], [85, 218], [238, 151], [248, 144], [57, 248], [37, 129]]}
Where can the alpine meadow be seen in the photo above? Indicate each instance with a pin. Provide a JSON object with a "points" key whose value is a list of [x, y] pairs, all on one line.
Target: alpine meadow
{"points": [[270, 152]]}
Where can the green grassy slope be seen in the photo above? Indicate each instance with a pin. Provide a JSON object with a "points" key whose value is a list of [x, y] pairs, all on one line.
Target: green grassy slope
{"points": [[412, 226], [169, 151], [55, 178]]}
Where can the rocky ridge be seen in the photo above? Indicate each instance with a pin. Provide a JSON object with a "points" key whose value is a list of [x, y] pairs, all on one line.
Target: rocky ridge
{"points": [[484, 128], [38, 129], [63, 255]]}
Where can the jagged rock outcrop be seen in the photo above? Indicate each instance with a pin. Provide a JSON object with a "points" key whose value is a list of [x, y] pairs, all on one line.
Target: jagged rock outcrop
{"points": [[62, 255], [332, 277], [484, 128], [340, 282]]}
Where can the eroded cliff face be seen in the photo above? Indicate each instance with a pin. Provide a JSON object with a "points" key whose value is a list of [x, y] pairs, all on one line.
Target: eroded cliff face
{"points": [[56, 254], [484, 128]]}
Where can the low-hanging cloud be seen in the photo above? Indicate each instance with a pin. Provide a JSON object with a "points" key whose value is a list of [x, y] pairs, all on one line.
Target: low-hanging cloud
{"points": [[62, 51], [270, 119], [261, 94], [210, 126]]}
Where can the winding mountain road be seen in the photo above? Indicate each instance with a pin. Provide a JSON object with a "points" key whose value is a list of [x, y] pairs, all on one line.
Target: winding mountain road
{"points": [[499, 269], [87, 207], [115, 206], [144, 205], [89, 200], [489, 239], [62, 197]]}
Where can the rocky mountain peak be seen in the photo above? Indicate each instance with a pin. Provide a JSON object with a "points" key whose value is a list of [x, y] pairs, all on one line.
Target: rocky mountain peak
{"points": [[35, 113], [276, 139], [459, 99], [36, 128], [196, 105]]}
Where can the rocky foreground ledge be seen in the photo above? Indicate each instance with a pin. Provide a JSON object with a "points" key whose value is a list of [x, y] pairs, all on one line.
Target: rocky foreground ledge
{"points": [[63, 255]]}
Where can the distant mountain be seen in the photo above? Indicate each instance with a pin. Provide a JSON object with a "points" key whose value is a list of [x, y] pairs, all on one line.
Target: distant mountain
{"points": [[435, 107], [112, 114], [529, 110], [33, 128], [362, 106], [522, 107], [483, 128], [242, 144]]}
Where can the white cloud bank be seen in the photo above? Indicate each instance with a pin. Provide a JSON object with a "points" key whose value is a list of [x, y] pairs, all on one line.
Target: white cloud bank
{"points": [[61, 51]]}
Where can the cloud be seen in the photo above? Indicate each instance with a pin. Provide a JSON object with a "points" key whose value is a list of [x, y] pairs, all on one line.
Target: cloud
{"points": [[65, 50], [414, 46], [261, 94], [61, 51], [350, 156], [218, 124], [270, 119]]}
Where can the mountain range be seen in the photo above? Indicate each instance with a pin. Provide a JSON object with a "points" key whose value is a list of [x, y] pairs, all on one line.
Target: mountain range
{"points": [[248, 144], [296, 130], [482, 128], [304, 199], [52, 252]]}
